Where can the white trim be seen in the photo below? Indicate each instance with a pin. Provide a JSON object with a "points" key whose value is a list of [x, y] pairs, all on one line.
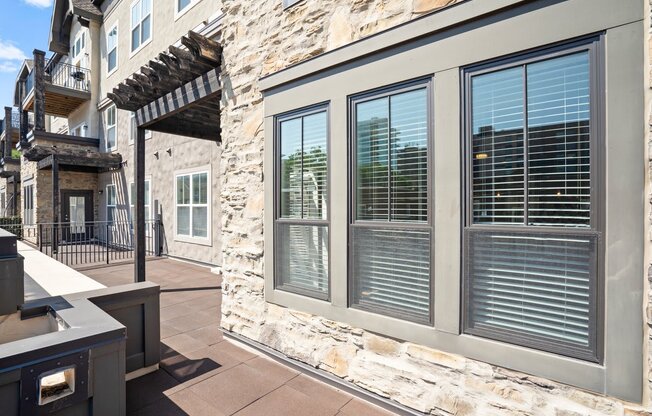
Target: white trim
{"points": [[107, 205], [132, 133], [117, 43], [148, 181], [107, 127], [179, 13], [78, 126], [142, 43], [189, 238]]}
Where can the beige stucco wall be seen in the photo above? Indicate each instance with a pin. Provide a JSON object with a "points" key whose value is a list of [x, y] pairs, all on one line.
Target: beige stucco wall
{"points": [[175, 153], [428, 380]]}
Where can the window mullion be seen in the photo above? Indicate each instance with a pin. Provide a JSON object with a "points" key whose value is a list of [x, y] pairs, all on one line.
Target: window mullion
{"points": [[301, 172], [526, 159], [389, 159]]}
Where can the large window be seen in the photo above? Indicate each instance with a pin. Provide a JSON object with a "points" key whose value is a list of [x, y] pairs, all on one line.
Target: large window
{"points": [[141, 23], [391, 229], [112, 49], [192, 205], [111, 129], [111, 204], [28, 205], [531, 240], [148, 198], [302, 242]]}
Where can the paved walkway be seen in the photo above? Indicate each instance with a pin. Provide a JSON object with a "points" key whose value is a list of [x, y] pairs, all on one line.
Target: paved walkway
{"points": [[203, 374]]}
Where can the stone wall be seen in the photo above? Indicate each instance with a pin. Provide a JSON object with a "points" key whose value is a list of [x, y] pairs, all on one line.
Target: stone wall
{"points": [[430, 381]]}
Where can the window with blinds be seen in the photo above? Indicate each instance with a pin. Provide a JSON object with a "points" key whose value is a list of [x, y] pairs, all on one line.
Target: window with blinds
{"points": [[531, 245], [391, 231], [301, 249]]}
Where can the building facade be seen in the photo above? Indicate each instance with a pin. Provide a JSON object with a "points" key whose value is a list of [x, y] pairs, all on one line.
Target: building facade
{"points": [[450, 191], [442, 203]]}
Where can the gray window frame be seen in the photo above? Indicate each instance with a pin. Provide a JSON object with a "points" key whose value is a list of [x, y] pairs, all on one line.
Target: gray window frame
{"points": [[595, 351], [300, 113], [353, 100]]}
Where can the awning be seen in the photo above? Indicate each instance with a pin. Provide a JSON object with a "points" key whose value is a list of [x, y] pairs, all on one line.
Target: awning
{"points": [[178, 92], [83, 159]]}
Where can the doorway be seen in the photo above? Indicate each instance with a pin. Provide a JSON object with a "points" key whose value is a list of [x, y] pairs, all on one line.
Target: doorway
{"points": [[77, 215]]}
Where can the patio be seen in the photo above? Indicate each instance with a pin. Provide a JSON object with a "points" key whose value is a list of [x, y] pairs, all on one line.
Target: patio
{"points": [[203, 374]]}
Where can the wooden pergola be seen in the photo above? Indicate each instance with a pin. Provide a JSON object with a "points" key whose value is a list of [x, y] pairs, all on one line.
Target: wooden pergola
{"points": [[179, 93]]}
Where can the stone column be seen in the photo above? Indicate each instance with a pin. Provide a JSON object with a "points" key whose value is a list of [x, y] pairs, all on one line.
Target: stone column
{"points": [[9, 132], [39, 90]]}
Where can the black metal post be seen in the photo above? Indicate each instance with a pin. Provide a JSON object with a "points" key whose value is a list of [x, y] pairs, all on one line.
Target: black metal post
{"points": [[139, 220], [40, 238], [15, 201], [107, 242], [55, 203]]}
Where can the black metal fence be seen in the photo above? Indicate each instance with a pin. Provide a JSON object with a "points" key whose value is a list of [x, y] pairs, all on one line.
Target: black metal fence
{"points": [[99, 242]]}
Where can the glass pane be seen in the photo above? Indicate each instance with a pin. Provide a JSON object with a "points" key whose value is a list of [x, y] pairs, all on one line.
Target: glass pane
{"points": [[533, 286], [315, 178], [147, 7], [147, 193], [133, 128], [183, 220], [135, 38], [409, 156], [78, 214], [182, 4], [291, 168], [112, 59], [200, 188], [302, 258], [372, 159], [498, 122], [391, 272], [110, 137], [110, 195], [183, 189], [146, 28], [135, 15], [112, 39], [199, 221], [559, 183]]}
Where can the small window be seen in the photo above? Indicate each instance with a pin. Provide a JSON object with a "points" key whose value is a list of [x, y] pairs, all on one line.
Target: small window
{"points": [[141, 23], [112, 49], [391, 230], [192, 205], [184, 5], [132, 201], [288, 3], [79, 131], [133, 130], [532, 234], [302, 242], [111, 133], [111, 204], [28, 205]]}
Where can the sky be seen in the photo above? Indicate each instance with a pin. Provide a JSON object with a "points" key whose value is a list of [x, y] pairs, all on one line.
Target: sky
{"points": [[24, 26]]}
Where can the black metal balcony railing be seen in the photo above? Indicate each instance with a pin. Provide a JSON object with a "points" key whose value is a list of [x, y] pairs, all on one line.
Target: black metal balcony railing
{"points": [[63, 75], [98, 242]]}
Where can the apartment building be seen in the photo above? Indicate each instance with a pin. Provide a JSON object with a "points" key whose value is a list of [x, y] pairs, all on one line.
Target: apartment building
{"points": [[438, 203], [93, 46]]}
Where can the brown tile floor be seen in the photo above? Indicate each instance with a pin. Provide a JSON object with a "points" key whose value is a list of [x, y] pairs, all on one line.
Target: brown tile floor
{"points": [[203, 374]]}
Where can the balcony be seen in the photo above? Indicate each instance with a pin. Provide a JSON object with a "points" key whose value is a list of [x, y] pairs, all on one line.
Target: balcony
{"points": [[65, 88]]}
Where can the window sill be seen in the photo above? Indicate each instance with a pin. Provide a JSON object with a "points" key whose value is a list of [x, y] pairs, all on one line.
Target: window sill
{"points": [[111, 72], [180, 13], [140, 48], [574, 372], [193, 240]]}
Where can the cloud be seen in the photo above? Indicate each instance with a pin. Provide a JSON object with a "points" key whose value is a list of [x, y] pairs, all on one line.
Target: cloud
{"points": [[8, 66], [9, 52], [10, 56], [39, 3]]}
